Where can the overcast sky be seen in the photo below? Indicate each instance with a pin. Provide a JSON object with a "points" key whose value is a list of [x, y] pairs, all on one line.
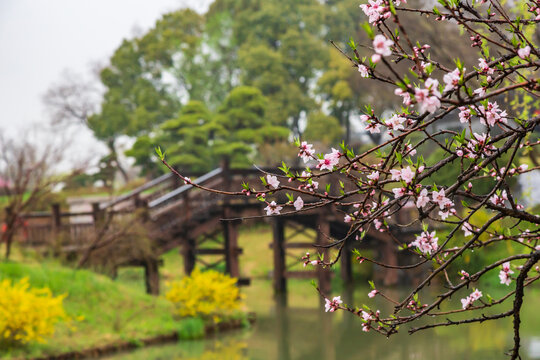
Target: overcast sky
{"points": [[41, 38]]}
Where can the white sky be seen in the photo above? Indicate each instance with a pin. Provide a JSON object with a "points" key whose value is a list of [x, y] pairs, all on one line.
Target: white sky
{"points": [[41, 38]]}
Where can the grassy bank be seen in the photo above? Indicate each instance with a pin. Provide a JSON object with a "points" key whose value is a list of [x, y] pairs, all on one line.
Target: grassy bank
{"points": [[110, 311]]}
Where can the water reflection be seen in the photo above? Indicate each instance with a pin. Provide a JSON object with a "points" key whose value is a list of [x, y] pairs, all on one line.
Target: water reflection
{"points": [[296, 333]]}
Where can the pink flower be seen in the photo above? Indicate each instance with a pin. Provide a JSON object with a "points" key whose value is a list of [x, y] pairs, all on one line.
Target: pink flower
{"points": [[464, 114], [363, 70], [395, 122], [444, 214], [398, 192], [373, 176], [451, 79], [423, 199], [524, 52], [372, 293], [492, 114], [382, 45], [373, 127], [504, 274], [467, 302], [329, 160], [481, 91], [406, 96], [426, 242], [366, 316], [347, 219], [476, 294], [333, 305], [299, 203], [396, 174], [375, 10], [407, 174], [273, 209], [464, 274], [484, 67], [272, 181], [306, 151], [428, 98], [467, 229], [441, 199]]}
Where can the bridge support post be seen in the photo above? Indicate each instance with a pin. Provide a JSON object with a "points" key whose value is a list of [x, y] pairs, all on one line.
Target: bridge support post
{"points": [[189, 249], [151, 276], [97, 214], [230, 236], [324, 275], [346, 263], [56, 223], [389, 256], [278, 246]]}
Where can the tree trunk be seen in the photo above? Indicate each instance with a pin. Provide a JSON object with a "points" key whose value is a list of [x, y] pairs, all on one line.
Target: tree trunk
{"points": [[114, 159]]}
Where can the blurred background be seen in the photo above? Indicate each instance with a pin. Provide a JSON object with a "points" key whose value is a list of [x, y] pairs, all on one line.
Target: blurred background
{"points": [[89, 89]]}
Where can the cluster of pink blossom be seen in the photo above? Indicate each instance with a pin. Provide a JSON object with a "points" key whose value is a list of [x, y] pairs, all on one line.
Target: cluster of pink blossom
{"points": [[372, 293], [464, 275], [329, 160], [333, 305], [367, 318], [451, 79], [484, 67], [306, 259], [405, 174], [306, 151], [464, 114], [504, 274], [499, 200], [492, 114], [535, 9], [370, 124], [376, 11], [426, 242], [428, 99], [467, 302], [363, 70], [395, 122], [479, 144]]}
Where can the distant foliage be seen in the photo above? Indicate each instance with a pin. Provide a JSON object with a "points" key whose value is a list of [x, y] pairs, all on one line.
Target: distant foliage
{"points": [[27, 314], [206, 294]]}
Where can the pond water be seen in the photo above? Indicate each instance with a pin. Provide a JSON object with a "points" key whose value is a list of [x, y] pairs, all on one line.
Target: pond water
{"points": [[305, 332]]}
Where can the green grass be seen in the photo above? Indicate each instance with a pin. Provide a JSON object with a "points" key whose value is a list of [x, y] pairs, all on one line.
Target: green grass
{"points": [[112, 311]]}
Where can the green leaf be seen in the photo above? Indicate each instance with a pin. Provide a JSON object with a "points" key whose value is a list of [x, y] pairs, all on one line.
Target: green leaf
{"points": [[159, 153]]}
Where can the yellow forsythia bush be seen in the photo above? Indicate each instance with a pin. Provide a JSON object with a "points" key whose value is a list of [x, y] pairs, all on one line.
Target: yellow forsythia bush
{"points": [[207, 294], [27, 314]]}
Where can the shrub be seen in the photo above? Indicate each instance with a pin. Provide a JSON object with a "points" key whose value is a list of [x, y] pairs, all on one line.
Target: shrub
{"points": [[27, 314], [206, 294]]}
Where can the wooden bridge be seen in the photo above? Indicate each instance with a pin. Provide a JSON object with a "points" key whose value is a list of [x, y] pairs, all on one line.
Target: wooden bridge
{"points": [[182, 216]]}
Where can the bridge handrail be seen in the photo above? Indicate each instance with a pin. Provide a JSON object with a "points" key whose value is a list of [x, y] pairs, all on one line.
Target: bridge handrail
{"points": [[182, 189], [137, 190]]}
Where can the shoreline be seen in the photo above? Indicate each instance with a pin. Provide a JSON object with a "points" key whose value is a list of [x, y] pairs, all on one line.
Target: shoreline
{"points": [[125, 346]]}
